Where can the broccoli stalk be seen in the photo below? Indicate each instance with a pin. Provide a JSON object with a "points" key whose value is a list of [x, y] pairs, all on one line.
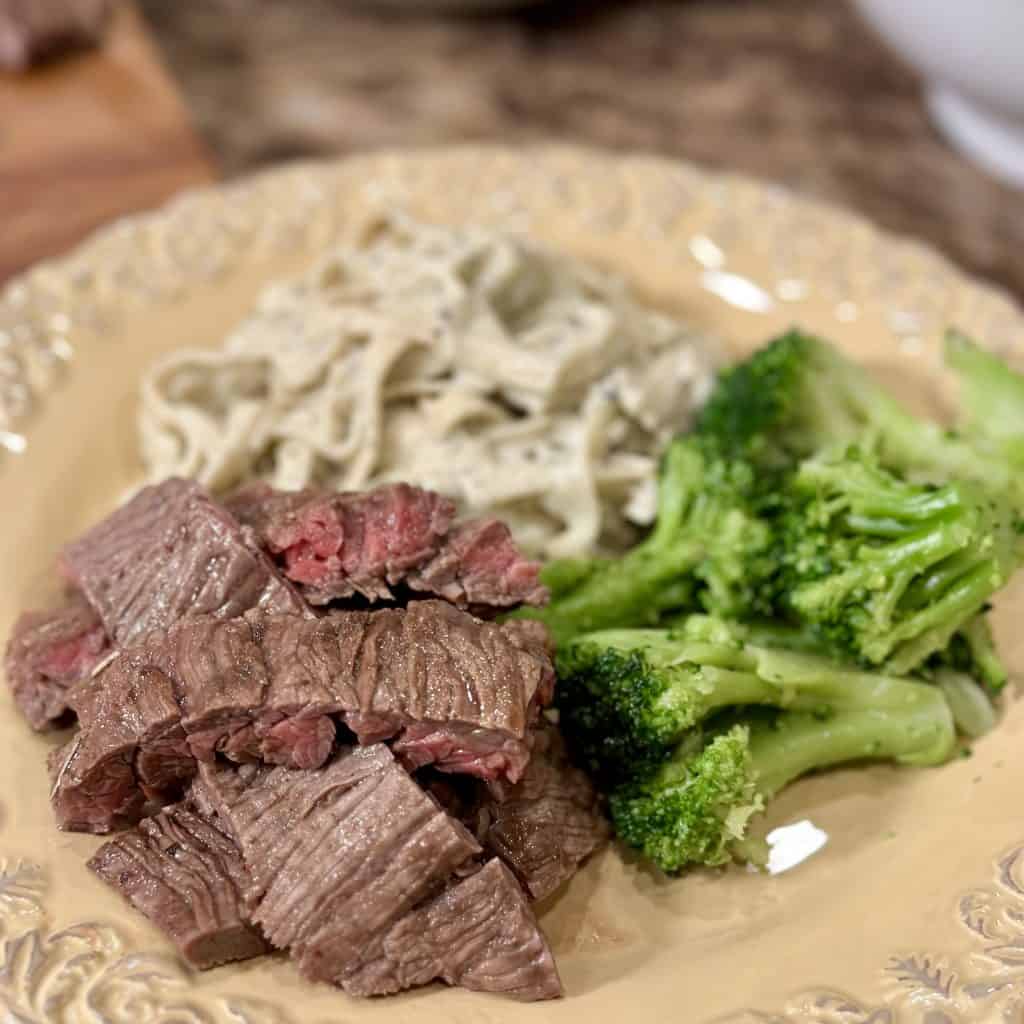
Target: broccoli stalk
{"points": [[991, 398], [798, 396], [628, 697], [697, 807], [972, 710], [707, 536], [972, 652], [887, 571]]}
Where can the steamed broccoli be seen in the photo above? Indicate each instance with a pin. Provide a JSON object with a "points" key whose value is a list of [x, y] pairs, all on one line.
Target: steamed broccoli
{"points": [[697, 807], [884, 570], [991, 398], [877, 568], [628, 697], [799, 396], [707, 536], [972, 652], [838, 544]]}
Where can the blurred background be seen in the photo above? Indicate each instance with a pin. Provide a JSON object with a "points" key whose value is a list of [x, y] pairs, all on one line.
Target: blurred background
{"points": [[803, 92]]}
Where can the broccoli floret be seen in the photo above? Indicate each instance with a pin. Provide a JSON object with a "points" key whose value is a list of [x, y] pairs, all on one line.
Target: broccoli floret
{"points": [[627, 697], [991, 398], [972, 651], [799, 396], [706, 539], [883, 570], [697, 807]]}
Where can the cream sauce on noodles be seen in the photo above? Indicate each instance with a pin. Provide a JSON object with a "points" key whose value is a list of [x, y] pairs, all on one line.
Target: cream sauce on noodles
{"points": [[521, 382]]}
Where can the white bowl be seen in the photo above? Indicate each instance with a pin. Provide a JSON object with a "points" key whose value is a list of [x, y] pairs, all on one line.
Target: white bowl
{"points": [[971, 55]]}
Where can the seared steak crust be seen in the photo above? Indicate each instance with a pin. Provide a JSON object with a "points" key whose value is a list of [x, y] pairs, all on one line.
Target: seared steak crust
{"points": [[187, 876], [452, 690]]}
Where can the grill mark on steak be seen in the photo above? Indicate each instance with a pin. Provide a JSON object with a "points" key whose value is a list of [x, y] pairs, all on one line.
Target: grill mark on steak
{"points": [[337, 545], [169, 553], [453, 690], [47, 654], [479, 933], [187, 876]]}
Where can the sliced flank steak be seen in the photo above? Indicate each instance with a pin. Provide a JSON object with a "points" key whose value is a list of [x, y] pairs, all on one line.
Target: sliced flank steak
{"points": [[339, 545], [363, 877], [478, 933], [546, 824], [170, 553], [381, 543], [449, 689], [48, 653], [188, 877], [336, 856]]}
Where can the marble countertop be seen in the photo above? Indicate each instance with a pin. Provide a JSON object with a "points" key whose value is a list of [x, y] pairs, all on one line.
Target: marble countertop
{"points": [[796, 91]]}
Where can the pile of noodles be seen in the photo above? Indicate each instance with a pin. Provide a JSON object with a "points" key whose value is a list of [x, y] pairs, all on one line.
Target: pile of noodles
{"points": [[518, 381]]}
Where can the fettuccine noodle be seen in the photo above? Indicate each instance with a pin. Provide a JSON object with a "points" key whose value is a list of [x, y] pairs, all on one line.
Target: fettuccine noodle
{"points": [[520, 382]]}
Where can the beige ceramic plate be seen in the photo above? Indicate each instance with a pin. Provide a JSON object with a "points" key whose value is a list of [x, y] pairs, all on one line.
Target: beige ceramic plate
{"points": [[914, 910]]}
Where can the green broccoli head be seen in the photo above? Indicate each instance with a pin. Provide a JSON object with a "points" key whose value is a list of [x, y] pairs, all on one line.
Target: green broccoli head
{"points": [[789, 399], [609, 709], [798, 396], [884, 570], [625, 697], [695, 807], [628, 697]]}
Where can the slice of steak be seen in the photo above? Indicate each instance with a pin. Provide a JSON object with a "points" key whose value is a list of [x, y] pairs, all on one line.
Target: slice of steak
{"points": [[336, 856], [187, 876], [533, 637], [220, 678], [455, 691], [338, 545], [545, 825], [131, 746], [169, 553], [47, 653], [385, 541], [450, 689], [480, 566], [150, 713], [479, 933]]}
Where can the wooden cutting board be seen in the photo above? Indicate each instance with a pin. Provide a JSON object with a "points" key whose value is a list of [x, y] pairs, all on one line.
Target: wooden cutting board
{"points": [[88, 138]]}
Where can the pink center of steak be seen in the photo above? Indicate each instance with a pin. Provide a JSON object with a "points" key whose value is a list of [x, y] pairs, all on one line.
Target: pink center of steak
{"points": [[366, 539], [490, 551], [48, 653], [337, 545], [301, 742], [75, 658]]}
